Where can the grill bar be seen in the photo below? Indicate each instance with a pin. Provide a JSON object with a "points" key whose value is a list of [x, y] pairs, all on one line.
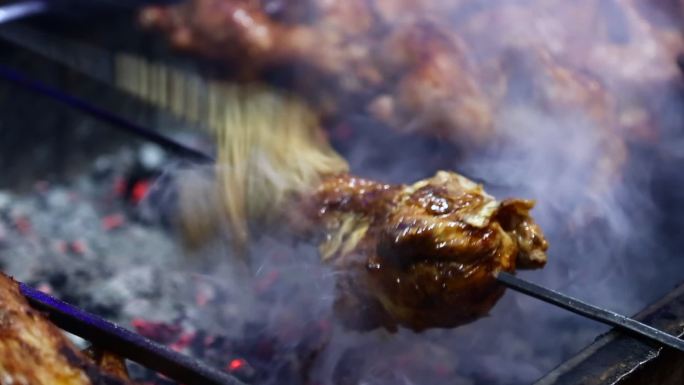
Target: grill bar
{"points": [[125, 343], [620, 359], [590, 311]]}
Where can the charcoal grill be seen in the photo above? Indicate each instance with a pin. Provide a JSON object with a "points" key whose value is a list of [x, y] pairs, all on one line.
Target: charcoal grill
{"points": [[613, 358]]}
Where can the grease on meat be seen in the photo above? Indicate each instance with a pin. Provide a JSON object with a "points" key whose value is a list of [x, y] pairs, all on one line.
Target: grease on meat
{"points": [[33, 351], [422, 255]]}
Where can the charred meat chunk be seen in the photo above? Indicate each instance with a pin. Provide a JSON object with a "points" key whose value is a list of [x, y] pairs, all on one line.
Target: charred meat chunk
{"points": [[33, 351], [422, 255]]}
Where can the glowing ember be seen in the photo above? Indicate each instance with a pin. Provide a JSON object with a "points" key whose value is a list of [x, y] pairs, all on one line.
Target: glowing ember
{"points": [[157, 331], [139, 190], [183, 341], [236, 364]]}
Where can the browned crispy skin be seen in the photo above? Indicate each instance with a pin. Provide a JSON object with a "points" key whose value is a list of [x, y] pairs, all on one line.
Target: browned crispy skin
{"points": [[33, 351], [422, 255], [109, 363]]}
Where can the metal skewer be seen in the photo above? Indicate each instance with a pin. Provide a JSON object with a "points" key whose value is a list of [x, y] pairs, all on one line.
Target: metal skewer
{"points": [[125, 343], [584, 309], [102, 114]]}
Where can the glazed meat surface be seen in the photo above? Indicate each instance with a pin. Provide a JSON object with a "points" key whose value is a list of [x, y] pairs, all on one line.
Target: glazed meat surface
{"points": [[33, 351], [422, 255]]}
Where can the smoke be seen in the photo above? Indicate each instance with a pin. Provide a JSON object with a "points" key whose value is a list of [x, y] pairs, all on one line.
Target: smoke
{"points": [[570, 132], [571, 121], [590, 175]]}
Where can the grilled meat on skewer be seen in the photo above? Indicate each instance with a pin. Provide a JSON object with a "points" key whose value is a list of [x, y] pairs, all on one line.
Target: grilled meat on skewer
{"points": [[421, 255], [33, 351], [108, 362]]}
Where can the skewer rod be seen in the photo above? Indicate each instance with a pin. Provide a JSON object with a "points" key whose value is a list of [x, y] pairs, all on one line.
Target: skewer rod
{"points": [[102, 114], [596, 313], [126, 343]]}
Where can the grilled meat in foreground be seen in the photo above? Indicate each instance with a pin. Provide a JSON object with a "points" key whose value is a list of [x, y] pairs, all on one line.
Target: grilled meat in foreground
{"points": [[421, 255], [33, 351]]}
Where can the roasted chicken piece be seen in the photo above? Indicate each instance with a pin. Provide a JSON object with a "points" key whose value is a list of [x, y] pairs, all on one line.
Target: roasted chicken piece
{"points": [[108, 362], [33, 351], [421, 255]]}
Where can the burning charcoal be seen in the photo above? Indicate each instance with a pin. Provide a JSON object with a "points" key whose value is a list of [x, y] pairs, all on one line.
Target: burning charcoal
{"points": [[138, 190], [161, 332], [137, 184], [241, 369], [111, 222], [185, 340]]}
